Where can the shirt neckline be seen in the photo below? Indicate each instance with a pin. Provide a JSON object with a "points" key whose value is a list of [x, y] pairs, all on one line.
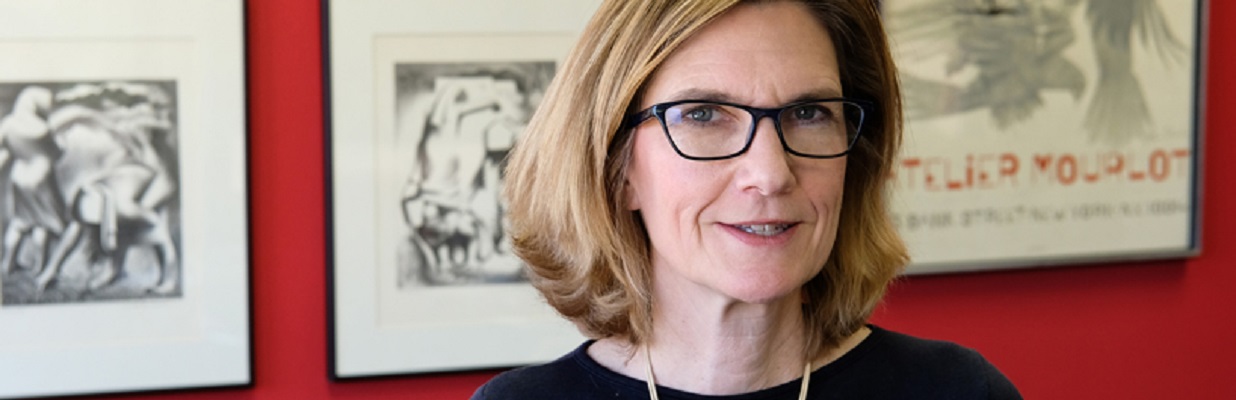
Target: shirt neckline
{"points": [[820, 376]]}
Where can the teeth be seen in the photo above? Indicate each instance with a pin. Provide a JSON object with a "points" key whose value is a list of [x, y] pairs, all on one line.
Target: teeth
{"points": [[764, 230]]}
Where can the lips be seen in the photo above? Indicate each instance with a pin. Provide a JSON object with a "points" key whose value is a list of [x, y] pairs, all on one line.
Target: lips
{"points": [[764, 229]]}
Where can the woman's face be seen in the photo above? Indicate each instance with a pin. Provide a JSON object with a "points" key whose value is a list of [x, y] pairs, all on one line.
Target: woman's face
{"points": [[755, 227]]}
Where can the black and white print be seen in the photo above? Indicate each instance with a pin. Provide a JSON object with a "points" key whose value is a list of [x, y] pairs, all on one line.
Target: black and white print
{"points": [[89, 196], [456, 123], [1005, 57], [1038, 132]]}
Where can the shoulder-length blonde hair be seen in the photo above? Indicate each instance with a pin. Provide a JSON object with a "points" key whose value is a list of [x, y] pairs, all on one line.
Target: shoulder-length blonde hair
{"points": [[589, 256]]}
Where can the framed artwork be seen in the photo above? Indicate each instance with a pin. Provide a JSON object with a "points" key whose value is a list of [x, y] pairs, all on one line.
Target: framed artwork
{"points": [[1047, 132], [123, 197], [425, 100]]}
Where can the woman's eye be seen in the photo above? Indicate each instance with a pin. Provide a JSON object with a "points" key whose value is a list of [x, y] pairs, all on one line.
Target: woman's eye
{"points": [[808, 113], [701, 114]]}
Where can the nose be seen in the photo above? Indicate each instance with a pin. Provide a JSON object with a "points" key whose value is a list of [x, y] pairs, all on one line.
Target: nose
{"points": [[765, 167]]}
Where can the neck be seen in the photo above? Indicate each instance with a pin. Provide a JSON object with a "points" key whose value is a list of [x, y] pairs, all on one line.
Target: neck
{"points": [[708, 343]]}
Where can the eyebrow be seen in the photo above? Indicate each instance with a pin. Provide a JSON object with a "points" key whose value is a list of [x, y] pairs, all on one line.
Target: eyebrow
{"points": [[718, 96]]}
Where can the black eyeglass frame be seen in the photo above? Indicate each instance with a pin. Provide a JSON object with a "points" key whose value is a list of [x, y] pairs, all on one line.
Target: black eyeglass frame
{"points": [[658, 110]]}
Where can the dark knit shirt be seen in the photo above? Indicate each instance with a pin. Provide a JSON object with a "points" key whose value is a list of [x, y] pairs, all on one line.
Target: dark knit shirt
{"points": [[886, 365]]}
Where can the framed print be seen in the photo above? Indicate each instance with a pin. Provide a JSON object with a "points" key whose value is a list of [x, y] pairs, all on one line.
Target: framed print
{"points": [[123, 199], [1047, 132], [425, 100]]}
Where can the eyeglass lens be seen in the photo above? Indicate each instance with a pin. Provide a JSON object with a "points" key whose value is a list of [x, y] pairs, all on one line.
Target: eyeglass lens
{"points": [[708, 130]]}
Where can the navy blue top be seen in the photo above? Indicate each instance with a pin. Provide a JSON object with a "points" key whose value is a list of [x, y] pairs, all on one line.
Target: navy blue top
{"points": [[886, 365]]}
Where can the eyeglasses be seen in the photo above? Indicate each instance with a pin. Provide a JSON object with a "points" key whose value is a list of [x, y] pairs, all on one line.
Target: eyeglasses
{"points": [[711, 130]]}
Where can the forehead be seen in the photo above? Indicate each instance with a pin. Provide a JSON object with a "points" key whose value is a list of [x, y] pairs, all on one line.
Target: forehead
{"points": [[761, 54]]}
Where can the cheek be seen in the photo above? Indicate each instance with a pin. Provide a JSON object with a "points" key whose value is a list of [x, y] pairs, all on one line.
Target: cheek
{"points": [[638, 172], [669, 191], [825, 184], [827, 192], [657, 178]]}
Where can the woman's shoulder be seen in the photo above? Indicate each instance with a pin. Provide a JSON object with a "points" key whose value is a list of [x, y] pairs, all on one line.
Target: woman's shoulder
{"points": [[574, 375], [922, 351], [930, 366], [531, 382]]}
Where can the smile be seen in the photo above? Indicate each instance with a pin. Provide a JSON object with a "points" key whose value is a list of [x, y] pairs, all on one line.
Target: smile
{"points": [[764, 229]]}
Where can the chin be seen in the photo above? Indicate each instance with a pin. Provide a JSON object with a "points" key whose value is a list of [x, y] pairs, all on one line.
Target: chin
{"points": [[757, 292], [766, 283]]}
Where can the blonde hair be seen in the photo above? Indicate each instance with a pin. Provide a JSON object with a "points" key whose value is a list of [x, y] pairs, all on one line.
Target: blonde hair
{"points": [[589, 256]]}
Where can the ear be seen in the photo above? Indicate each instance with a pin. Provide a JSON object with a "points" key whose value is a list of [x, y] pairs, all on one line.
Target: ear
{"points": [[632, 198]]}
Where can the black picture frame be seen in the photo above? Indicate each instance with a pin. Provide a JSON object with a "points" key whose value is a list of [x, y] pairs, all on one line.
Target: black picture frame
{"points": [[125, 142], [390, 311]]}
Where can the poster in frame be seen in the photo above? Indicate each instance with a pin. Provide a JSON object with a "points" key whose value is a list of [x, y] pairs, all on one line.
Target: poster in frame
{"points": [[1047, 133], [123, 197], [424, 101]]}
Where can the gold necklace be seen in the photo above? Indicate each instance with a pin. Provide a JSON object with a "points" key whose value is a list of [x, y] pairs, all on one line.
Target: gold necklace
{"points": [[652, 381]]}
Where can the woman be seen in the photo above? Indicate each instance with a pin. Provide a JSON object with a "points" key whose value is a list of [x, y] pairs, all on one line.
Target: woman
{"points": [[708, 250]]}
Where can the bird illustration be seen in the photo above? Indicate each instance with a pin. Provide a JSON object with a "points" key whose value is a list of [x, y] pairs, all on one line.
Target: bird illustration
{"points": [[1010, 51], [1118, 112], [1004, 55]]}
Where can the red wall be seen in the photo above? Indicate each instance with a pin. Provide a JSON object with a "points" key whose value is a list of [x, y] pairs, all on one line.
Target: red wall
{"points": [[1161, 329]]}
